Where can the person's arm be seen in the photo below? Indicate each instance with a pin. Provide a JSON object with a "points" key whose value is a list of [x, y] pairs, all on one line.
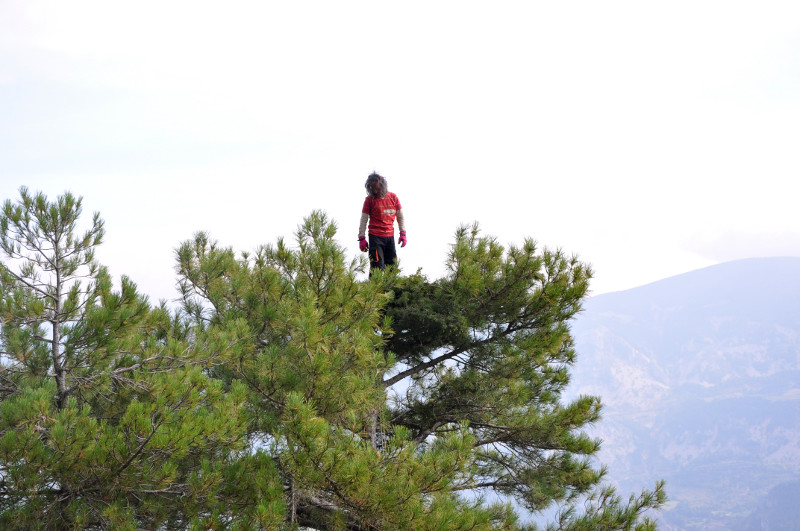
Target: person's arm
{"points": [[362, 226], [401, 220]]}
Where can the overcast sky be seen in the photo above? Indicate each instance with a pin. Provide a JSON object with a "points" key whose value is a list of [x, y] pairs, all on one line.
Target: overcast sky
{"points": [[649, 138]]}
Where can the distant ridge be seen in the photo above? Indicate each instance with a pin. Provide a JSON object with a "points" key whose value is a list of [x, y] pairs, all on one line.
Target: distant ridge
{"points": [[700, 374], [748, 274]]}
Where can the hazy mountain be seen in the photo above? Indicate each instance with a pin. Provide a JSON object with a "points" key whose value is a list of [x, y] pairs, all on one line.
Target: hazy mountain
{"points": [[700, 375]]}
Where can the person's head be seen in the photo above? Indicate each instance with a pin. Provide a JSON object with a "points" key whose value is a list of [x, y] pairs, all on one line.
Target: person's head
{"points": [[376, 185]]}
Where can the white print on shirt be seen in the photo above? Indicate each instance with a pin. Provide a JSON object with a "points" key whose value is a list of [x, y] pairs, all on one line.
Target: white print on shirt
{"points": [[389, 211]]}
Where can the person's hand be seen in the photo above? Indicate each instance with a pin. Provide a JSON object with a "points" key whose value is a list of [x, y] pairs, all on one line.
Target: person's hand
{"points": [[403, 240], [362, 244]]}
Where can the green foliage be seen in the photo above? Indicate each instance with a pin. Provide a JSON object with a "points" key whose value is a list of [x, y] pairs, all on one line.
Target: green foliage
{"points": [[398, 487], [307, 323], [384, 402], [108, 417], [499, 365], [290, 390]]}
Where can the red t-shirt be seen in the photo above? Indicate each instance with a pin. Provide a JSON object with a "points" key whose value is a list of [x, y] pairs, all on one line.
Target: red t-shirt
{"points": [[382, 212]]}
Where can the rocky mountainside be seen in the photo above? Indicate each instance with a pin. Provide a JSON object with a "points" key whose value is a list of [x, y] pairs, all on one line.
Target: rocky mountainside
{"points": [[700, 376]]}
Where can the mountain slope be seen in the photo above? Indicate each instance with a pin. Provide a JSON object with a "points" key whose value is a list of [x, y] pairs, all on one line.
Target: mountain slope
{"points": [[700, 374]]}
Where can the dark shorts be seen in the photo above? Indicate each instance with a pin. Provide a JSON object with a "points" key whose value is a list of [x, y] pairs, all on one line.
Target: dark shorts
{"points": [[381, 251]]}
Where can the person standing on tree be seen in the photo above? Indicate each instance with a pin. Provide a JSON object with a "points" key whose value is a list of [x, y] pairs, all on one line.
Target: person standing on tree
{"points": [[381, 207]]}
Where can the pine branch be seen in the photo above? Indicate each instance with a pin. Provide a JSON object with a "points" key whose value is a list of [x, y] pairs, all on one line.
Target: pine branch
{"points": [[31, 286], [510, 329]]}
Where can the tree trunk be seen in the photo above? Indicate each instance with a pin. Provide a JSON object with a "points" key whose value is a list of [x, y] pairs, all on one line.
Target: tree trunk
{"points": [[58, 367]]}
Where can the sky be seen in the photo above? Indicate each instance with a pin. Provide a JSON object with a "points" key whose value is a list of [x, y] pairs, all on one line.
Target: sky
{"points": [[648, 138]]}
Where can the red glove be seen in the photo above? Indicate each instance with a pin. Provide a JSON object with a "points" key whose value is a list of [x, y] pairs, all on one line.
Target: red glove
{"points": [[403, 240], [362, 244]]}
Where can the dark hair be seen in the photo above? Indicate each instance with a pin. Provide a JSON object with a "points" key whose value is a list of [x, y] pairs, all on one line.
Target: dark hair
{"points": [[381, 180]]}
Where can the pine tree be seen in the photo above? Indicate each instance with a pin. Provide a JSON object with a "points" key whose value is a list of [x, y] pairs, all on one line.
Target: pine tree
{"points": [[314, 365], [290, 389], [108, 418], [403, 403], [489, 347]]}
